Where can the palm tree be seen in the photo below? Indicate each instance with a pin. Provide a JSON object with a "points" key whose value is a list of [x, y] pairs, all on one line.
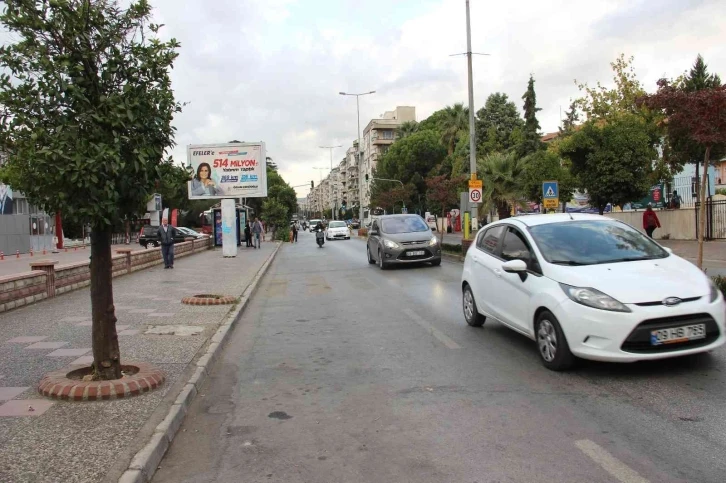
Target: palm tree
{"points": [[454, 123], [407, 128], [502, 174]]}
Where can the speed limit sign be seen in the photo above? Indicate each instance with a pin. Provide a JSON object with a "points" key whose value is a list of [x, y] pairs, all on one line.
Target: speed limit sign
{"points": [[475, 187]]}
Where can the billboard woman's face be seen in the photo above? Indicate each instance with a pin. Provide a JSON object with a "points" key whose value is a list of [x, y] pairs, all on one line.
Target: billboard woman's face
{"points": [[203, 172]]}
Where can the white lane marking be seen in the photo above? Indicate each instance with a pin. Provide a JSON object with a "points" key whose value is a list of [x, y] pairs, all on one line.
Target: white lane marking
{"points": [[609, 463], [443, 338]]}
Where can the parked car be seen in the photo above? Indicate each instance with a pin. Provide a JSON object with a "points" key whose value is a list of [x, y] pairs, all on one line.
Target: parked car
{"points": [[337, 230], [590, 287], [354, 224], [150, 236], [189, 232], [401, 239]]}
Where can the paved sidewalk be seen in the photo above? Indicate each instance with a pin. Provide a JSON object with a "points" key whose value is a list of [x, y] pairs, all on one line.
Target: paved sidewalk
{"points": [[94, 441]]}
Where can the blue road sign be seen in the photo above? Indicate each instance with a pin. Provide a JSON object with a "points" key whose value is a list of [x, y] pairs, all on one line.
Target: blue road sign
{"points": [[550, 190]]}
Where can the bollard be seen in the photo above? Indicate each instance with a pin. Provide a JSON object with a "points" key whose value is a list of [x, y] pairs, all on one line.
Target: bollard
{"points": [[2, 255], [43, 251], [17, 253], [31, 252]]}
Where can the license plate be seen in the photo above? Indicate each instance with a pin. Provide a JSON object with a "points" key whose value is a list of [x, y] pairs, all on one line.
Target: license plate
{"points": [[415, 253], [675, 335]]}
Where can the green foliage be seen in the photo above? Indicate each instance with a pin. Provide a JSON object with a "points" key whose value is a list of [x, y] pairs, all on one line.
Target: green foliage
{"points": [[720, 282], [443, 193], [613, 161], [277, 190], [282, 234], [531, 141], [450, 248], [454, 124], [502, 175], [721, 191], [572, 117], [407, 128], [545, 166], [172, 186], [498, 126], [275, 213], [88, 106]]}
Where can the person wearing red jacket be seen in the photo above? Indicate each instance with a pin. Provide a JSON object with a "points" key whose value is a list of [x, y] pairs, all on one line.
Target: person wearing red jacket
{"points": [[650, 220]]}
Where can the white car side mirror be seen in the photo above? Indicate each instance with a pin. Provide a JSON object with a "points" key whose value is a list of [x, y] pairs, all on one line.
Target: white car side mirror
{"points": [[514, 266]]}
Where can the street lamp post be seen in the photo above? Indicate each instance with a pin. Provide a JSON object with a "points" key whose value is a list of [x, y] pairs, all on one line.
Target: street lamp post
{"points": [[332, 202], [358, 150]]}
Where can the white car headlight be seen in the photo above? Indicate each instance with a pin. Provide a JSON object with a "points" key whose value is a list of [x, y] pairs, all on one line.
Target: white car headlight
{"points": [[593, 298], [433, 242], [390, 244]]}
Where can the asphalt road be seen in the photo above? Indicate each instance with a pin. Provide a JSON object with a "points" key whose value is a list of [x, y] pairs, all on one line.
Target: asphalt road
{"points": [[341, 372]]}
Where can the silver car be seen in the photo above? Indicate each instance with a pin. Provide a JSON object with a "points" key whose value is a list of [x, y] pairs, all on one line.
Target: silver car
{"points": [[395, 239]]}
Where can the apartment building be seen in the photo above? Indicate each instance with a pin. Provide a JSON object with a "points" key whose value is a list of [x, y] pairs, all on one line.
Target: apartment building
{"points": [[378, 136]]}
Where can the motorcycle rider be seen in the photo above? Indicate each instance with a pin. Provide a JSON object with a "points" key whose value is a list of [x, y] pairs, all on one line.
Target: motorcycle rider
{"points": [[319, 237]]}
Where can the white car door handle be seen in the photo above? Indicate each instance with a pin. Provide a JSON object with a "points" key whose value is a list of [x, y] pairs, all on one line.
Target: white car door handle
{"points": [[498, 272]]}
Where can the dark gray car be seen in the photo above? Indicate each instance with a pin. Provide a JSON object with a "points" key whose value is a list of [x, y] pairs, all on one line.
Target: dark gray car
{"points": [[395, 239]]}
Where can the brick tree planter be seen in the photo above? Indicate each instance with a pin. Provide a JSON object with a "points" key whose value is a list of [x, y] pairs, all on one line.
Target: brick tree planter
{"points": [[465, 244], [140, 377], [209, 299]]}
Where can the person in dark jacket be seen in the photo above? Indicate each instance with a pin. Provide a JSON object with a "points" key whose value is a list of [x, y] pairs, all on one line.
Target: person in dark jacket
{"points": [[248, 234], [294, 232], [650, 220], [166, 238]]}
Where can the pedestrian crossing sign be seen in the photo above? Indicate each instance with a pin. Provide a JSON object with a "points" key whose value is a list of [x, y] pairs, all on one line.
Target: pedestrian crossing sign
{"points": [[550, 194]]}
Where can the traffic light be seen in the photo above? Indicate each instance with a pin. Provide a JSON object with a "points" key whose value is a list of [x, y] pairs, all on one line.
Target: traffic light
{"points": [[312, 184], [366, 177]]}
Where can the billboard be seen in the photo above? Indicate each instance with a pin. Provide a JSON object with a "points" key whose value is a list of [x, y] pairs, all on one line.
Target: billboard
{"points": [[232, 170]]}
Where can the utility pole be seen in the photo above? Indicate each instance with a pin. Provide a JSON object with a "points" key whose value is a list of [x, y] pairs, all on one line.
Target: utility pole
{"points": [[333, 205], [472, 126], [358, 156]]}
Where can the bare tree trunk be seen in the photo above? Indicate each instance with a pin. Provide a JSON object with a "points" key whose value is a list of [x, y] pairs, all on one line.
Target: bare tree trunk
{"points": [[702, 208], [106, 355]]}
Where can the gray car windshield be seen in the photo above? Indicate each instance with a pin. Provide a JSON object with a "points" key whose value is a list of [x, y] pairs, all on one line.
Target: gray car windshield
{"points": [[407, 224], [590, 242]]}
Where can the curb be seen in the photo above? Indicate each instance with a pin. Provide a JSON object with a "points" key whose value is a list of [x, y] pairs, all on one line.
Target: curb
{"points": [[145, 462]]}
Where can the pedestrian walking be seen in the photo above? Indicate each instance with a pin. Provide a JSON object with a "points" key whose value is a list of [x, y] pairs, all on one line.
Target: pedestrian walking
{"points": [[676, 200], [257, 231], [167, 233], [248, 235], [650, 220], [295, 229]]}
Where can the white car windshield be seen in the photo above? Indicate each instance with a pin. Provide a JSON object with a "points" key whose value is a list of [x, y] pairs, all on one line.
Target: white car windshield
{"points": [[593, 242], [337, 224]]}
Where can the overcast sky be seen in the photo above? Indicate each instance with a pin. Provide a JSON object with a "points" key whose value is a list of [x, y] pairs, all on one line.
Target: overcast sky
{"points": [[271, 70]]}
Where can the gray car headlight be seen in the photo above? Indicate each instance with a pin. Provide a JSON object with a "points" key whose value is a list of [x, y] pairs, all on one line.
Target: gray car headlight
{"points": [[593, 298], [390, 244], [433, 242]]}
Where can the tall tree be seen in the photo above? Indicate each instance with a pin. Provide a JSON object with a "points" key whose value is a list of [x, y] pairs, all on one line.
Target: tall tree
{"points": [[498, 125], [88, 106], [443, 193], [407, 128], [531, 141], [613, 160], [699, 78], [503, 179], [572, 117], [694, 118], [454, 124]]}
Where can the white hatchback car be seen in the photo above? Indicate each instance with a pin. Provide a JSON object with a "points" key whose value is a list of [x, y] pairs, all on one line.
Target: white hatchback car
{"points": [[590, 287], [337, 230]]}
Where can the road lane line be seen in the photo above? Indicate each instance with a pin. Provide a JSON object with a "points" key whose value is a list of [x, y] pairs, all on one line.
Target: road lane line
{"points": [[443, 338], [609, 463]]}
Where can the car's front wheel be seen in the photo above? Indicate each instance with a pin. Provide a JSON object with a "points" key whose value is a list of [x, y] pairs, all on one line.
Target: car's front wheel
{"points": [[552, 344], [370, 258], [381, 264], [471, 313]]}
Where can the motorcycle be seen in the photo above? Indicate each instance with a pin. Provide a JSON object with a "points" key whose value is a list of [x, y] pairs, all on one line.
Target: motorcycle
{"points": [[320, 238]]}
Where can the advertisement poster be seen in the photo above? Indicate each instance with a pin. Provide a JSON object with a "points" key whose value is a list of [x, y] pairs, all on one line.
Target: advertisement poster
{"points": [[233, 170], [655, 197], [218, 228]]}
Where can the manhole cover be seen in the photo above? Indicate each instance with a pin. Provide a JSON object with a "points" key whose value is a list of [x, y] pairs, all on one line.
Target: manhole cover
{"points": [[209, 299], [180, 330]]}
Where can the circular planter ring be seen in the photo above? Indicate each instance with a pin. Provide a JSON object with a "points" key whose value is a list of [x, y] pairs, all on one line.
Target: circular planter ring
{"points": [[69, 386], [209, 299]]}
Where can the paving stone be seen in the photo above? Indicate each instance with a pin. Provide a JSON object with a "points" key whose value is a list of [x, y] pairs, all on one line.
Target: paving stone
{"points": [[75, 319], [122, 327], [7, 393], [129, 332], [68, 352], [142, 311], [82, 361], [87, 323], [27, 340], [180, 330], [25, 407], [162, 314], [47, 345]]}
